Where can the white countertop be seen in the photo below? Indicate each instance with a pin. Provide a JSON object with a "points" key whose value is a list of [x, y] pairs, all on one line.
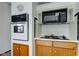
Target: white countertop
{"points": [[57, 40], [20, 42], [27, 43]]}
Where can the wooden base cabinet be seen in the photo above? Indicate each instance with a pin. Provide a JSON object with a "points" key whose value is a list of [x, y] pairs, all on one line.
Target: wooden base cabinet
{"points": [[63, 52], [43, 51], [16, 51], [51, 48], [20, 50]]}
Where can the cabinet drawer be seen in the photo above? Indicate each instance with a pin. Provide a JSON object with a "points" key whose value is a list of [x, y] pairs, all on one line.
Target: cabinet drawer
{"points": [[69, 45], [63, 51], [43, 43]]}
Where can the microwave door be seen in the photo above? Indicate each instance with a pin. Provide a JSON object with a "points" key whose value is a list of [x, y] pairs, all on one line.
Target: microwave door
{"points": [[51, 18], [63, 17]]}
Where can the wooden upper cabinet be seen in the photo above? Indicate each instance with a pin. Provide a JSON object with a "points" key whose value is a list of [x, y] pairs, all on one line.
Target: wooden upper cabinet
{"points": [[15, 50], [24, 51]]}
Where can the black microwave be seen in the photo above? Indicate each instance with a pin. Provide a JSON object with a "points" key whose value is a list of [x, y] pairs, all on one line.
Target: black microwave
{"points": [[20, 18], [55, 16]]}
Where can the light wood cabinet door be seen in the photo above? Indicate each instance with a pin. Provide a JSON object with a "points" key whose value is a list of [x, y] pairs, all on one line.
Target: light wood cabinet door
{"points": [[20, 50], [24, 50], [16, 50], [49, 48], [43, 51], [63, 52], [64, 48]]}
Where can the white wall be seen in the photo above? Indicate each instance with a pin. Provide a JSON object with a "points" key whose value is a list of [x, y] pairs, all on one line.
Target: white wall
{"points": [[76, 10], [59, 29], [34, 14], [69, 30], [5, 41]]}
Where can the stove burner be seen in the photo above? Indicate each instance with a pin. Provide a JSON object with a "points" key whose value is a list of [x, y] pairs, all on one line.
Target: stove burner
{"points": [[54, 37]]}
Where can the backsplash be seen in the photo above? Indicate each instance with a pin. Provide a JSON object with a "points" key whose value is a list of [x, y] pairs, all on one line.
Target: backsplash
{"points": [[58, 29]]}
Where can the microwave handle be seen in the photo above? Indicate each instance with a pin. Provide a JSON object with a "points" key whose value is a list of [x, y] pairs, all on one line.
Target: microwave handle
{"points": [[59, 17]]}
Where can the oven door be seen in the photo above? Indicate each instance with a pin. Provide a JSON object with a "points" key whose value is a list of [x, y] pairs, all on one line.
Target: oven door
{"points": [[20, 32]]}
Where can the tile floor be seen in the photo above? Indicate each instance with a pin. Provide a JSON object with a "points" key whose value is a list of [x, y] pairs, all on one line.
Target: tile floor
{"points": [[6, 54]]}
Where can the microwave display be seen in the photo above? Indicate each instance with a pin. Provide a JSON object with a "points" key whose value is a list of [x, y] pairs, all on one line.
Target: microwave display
{"points": [[55, 16], [19, 29]]}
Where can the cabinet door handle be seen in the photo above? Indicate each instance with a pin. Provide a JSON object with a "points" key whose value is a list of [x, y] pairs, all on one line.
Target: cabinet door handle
{"points": [[17, 48]]}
